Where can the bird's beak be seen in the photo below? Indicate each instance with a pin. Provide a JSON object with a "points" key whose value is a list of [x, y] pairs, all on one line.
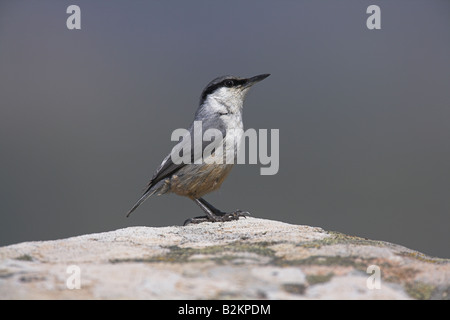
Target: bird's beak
{"points": [[251, 81]]}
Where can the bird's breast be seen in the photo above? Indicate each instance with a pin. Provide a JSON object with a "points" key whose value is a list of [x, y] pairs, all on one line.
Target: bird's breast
{"points": [[234, 130]]}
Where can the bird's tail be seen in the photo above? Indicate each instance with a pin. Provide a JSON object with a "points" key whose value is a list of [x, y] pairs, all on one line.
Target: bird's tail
{"points": [[144, 197]]}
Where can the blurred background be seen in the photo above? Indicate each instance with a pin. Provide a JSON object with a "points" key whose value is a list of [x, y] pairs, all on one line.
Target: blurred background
{"points": [[364, 116]]}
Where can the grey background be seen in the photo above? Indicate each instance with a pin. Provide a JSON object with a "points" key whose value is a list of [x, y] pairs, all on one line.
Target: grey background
{"points": [[86, 116]]}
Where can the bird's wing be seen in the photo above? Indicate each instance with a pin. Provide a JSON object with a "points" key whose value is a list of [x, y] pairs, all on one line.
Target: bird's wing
{"points": [[168, 167]]}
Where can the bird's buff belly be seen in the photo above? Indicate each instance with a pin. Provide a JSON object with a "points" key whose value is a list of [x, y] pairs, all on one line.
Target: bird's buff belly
{"points": [[194, 181]]}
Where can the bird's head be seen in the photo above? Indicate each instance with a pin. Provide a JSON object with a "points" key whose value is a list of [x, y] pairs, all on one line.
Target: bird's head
{"points": [[229, 91]]}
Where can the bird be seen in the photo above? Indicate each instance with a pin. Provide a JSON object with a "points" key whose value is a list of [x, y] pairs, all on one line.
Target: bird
{"points": [[220, 108]]}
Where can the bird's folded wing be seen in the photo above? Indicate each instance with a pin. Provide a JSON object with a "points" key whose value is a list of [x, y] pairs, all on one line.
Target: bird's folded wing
{"points": [[186, 143]]}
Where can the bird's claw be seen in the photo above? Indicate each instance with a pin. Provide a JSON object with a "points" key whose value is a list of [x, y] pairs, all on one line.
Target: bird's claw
{"points": [[239, 213], [235, 215]]}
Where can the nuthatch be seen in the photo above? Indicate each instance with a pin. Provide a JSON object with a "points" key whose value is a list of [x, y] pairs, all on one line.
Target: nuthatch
{"points": [[220, 108]]}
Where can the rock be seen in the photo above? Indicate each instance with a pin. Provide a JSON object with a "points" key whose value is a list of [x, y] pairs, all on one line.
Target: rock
{"points": [[246, 259]]}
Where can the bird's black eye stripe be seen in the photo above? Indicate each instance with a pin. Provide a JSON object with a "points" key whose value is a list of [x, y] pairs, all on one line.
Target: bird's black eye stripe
{"points": [[233, 82], [228, 83]]}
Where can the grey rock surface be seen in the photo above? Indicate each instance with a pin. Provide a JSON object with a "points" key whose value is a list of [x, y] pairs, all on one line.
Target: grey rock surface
{"points": [[246, 259]]}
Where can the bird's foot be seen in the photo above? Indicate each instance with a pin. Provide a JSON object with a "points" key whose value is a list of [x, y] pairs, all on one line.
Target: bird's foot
{"points": [[218, 217], [229, 216], [195, 220]]}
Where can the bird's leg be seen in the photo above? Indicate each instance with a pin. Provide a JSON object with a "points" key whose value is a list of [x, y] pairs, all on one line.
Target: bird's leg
{"points": [[225, 215], [211, 207], [213, 214], [210, 216], [236, 213]]}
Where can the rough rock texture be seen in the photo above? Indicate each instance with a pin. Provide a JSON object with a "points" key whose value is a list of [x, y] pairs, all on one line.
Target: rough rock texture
{"points": [[246, 259]]}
